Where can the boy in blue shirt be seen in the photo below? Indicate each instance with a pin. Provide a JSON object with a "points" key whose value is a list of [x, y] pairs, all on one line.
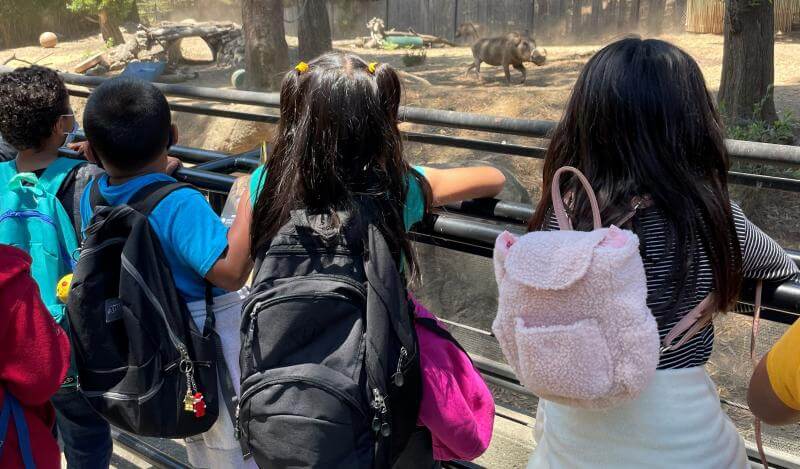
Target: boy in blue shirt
{"points": [[129, 130]]}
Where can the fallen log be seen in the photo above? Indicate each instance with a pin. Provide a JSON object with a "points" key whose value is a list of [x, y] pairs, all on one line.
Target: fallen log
{"points": [[412, 77]]}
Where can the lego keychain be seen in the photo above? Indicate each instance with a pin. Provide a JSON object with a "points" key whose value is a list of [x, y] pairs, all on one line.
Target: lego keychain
{"points": [[193, 401]]}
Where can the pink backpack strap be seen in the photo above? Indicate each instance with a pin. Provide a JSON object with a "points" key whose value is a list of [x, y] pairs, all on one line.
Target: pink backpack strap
{"points": [[754, 359], [564, 222], [698, 318], [689, 325]]}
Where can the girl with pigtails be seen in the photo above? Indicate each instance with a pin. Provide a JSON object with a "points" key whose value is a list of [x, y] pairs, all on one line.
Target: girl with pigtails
{"points": [[337, 143]]}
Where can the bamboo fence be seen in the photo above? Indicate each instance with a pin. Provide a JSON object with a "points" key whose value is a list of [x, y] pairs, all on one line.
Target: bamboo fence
{"points": [[706, 16]]}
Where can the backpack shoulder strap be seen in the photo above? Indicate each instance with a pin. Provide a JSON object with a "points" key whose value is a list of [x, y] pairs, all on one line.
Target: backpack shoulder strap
{"points": [[12, 408], [433, 326], [54, 175], [96, 199], [149, 196], [693, 322], [8, 169]]}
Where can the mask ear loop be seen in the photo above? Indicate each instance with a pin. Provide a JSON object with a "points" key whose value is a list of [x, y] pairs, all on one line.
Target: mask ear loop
{"points": [[73, 133]]}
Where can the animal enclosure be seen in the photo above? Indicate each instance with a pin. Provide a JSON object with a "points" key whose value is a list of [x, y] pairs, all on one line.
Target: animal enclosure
{"points": [[436, 17]]}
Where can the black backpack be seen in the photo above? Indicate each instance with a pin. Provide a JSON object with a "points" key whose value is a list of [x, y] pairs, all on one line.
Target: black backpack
{"points": [[330, 365], [140, 356]]}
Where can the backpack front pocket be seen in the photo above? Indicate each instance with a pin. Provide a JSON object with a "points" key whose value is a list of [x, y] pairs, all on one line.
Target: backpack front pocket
{"points": [[564, 362], [305, 416]]}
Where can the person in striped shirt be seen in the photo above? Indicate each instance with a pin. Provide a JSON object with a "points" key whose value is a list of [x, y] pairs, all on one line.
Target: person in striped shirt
{"points": [[641, 124]]}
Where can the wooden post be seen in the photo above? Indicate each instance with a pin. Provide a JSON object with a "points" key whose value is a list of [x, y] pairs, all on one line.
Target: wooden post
{"points": [[455, 19]]}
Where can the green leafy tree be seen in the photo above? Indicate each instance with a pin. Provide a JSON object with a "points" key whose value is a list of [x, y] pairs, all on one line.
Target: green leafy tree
{"points": [[108, 13]]}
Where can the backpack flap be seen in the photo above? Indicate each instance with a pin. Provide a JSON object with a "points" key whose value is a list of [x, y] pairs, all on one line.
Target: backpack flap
{"points": [[552, 260]]}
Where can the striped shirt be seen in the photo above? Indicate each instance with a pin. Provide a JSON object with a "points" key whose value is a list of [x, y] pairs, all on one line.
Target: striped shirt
{"points": [[762, 258]]}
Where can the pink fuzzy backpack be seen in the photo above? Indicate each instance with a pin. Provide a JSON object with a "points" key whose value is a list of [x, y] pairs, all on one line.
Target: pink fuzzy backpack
{"points": [[572, 317]]}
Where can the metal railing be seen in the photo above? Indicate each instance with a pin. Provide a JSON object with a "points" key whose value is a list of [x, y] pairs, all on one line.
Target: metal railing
{"points": [[470, 226]]}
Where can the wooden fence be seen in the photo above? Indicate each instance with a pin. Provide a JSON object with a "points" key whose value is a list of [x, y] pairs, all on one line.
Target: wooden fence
{"points": [[437, 17], [706, 16]]}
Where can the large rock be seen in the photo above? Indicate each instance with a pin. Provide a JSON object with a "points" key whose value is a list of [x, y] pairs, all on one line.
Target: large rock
{"points": [[461, 287]]}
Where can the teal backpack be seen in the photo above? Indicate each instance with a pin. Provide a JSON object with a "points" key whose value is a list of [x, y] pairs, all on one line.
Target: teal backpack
{"points": [[34, 220]]}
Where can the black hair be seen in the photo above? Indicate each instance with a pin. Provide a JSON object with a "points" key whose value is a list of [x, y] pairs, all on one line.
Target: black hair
{"points": [[127, 122], [641, 121], [337, 140], [31, 102]]}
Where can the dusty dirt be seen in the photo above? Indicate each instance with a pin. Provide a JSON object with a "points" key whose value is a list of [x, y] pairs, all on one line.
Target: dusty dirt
{"points": [[542, 97]]}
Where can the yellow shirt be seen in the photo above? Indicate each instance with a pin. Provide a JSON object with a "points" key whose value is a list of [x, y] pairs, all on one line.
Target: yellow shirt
{"points": [[783, 367]]}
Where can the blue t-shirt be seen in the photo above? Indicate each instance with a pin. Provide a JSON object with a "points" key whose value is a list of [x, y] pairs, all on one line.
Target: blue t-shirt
{"points": [[192, 236], [413, 211]]}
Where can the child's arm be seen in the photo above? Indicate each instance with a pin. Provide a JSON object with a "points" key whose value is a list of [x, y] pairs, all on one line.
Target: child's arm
{"points": [[232, 269], [453, 185], [774, 394]]}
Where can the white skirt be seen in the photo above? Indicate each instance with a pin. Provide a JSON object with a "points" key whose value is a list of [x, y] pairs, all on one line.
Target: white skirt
{"points": [[677, 422], [218, 447]]}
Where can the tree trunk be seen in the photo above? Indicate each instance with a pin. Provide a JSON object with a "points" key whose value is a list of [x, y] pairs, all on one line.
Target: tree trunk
{"points": [[655, 16], [313, 30], [133, 14], [109, 28], [266, 52], [748, 61]]}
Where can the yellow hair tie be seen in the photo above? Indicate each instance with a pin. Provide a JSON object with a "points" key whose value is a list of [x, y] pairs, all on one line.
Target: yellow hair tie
{"points": [[371, 67], [301, 67]]}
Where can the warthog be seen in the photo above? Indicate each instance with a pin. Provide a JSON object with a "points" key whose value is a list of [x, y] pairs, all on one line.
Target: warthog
{"points": [[512, 49]]}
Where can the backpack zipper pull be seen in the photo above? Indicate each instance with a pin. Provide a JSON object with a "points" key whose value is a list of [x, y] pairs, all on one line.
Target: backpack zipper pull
{"points": [[381, 419], [398, 375]]}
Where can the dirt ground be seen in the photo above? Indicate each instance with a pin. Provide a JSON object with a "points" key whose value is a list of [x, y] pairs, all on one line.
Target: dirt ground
{"points": [[542, 97]]}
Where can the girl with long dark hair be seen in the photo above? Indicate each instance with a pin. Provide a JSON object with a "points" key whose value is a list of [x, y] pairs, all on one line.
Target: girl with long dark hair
{"points": [[338, 139], [337, 144], [641, 123]]}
